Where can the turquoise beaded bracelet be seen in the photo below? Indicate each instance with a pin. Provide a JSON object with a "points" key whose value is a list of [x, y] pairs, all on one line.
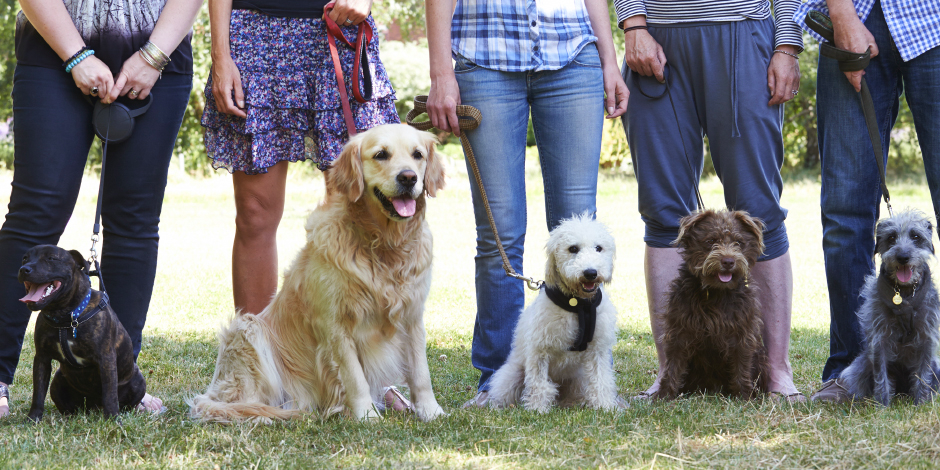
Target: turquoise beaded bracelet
{"points": [[77, 60]]}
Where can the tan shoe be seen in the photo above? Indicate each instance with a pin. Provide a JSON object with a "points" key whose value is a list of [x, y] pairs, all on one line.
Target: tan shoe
{"points": [[832, 391], [481, 400]]}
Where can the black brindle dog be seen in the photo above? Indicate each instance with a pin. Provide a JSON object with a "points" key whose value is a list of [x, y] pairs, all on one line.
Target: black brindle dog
{"points": [[77, 328]]}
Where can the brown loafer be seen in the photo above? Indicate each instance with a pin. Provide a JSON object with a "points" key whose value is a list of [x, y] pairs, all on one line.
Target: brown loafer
{"points": [[832, 391]]}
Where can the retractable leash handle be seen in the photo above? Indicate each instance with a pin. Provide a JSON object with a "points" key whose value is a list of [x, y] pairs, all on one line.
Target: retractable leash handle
{"points": [[468, 118], [851, 62]]}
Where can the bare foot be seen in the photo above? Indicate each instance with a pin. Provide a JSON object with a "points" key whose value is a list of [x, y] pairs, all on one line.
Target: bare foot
{"points": [[150, 404]]}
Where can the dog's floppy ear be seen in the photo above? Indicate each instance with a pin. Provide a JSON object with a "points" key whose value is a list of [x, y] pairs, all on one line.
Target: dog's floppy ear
{"points": [[687, 223], [930, 236], [434, 173], [79, 260], [883, 228], [753, 225], [345, 174], [552, 276]]}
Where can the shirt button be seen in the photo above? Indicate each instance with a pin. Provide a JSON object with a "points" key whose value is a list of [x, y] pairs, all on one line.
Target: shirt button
{"points": [[535, 48], [533, 22]]}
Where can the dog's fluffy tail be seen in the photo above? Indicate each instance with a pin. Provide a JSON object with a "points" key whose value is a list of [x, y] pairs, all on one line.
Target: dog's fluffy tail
{"points": [[247, 382]]}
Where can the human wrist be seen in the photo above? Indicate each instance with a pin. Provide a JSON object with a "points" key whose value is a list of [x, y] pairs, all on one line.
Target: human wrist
{"points": [[635, 20]]}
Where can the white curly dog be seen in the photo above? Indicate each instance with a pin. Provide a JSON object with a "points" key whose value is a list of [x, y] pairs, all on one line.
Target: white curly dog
{"points": [[562, 345]]}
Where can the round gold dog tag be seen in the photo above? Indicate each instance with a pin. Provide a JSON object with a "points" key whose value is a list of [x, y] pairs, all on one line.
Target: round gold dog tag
{"points": [[897, 298], [573, 302]]}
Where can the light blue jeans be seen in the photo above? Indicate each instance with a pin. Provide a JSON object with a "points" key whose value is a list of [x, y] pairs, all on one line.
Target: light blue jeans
{"points": [[851, 190], [567, 107]]}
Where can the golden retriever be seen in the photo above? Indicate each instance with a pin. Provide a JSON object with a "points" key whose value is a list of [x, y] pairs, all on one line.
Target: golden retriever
{"points": [[349, 316]]}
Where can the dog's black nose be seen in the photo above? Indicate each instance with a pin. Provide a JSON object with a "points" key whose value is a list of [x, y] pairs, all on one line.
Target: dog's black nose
{"points": [[727, 263], [25, 270], [590, 274], [903, 259], [408, 179]]}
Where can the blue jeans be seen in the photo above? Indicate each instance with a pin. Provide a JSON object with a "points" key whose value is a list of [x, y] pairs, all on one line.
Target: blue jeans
{"points": [[851, 189], [52, 136], [567, 107]]}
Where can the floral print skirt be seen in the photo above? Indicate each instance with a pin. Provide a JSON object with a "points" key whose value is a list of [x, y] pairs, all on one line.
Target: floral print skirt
{"points": [[291, 97]]}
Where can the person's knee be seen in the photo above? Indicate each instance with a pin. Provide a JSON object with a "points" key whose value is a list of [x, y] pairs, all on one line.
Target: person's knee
{"points": [[257, 216]]}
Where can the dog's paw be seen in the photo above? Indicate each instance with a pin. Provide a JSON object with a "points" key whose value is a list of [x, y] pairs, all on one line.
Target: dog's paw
{"points": [[429, 412], [367, 414], [541, 406], [34, 417]]}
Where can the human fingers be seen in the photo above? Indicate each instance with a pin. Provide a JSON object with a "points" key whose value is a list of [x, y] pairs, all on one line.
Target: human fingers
{"points": [[92, 73], [224, 78], [659, 65], [855, 78]]}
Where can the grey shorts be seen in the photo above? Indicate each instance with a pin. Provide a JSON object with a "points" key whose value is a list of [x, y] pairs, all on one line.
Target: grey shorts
{"points": [[718, 82]]}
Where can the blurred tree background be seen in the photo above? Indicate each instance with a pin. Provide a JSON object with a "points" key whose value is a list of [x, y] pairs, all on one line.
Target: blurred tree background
{"points": [[404, 52]]}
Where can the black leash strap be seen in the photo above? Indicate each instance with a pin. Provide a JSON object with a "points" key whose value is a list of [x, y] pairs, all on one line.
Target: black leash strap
{"points": [[666, 92], [851, 62], [96, 229]]}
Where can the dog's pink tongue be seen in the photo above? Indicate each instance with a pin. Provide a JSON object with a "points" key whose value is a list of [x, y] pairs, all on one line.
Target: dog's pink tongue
{"points": [[35, 293], [724, 277], [904, 273], [405, 206]]}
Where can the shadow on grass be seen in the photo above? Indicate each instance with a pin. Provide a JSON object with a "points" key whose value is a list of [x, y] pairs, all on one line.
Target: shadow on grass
{"points": [[702, 431]]}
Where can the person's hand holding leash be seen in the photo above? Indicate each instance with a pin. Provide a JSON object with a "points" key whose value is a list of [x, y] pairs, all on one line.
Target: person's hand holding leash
{"points": [[442, 103], [136, 79], [643, 54], [93, 73], [783, 75], [851, 35], [350, 12]]}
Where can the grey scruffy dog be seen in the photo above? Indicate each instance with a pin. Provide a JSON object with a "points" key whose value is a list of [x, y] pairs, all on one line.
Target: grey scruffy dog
{"points": [[899, 316]]}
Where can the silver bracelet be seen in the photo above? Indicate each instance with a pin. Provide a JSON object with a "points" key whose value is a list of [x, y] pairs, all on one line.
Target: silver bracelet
{"points": [[787, 53]]}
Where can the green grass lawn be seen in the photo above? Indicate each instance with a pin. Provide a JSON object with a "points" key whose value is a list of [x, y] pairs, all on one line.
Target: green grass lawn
{"points": [[193, 297]]}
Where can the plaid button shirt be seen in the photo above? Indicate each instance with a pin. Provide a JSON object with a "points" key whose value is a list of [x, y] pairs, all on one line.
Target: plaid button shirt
{"points": [[520, 35], [914, 24]]}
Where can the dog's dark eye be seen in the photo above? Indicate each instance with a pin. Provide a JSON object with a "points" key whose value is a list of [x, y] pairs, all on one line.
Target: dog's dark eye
{"points": [[709, 242], [915, 237], [573, 249], [598, 248], [417, 155], [380, 155], [892, 238]]}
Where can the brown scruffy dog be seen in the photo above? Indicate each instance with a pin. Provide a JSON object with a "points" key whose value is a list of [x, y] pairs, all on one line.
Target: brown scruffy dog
{"points": [[712, 326]]}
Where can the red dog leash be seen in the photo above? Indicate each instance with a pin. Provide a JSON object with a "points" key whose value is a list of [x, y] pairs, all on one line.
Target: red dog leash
{"points": [[362, 63]]}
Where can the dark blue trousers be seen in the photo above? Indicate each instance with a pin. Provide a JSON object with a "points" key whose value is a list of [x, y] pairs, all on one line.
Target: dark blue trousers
{"points": [[52, 136]]}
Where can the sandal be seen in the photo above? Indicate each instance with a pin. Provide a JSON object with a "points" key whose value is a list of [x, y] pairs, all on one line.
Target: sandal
{"points": [[142, 408], [394, 400], [791, 398], [5, 393]]}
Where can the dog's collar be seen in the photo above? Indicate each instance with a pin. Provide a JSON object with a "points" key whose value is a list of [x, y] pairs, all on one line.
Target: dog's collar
{"points": [[79, 316], [585, 309]]}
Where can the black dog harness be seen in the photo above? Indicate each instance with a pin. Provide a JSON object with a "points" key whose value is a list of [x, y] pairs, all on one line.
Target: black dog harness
{"points": [[585, 309], [76, 318]]}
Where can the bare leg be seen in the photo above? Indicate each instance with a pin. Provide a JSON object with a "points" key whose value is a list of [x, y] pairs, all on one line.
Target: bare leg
{"points": [[661, 266], [259, 205], [774, 281]]}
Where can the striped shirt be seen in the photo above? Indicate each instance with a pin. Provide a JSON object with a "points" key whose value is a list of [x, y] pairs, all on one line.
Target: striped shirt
{"points": [[914, 24], [685, 11], [520, 35]]}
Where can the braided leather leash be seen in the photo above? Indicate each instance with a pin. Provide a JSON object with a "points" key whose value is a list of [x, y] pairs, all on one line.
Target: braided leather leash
{"points": [[469, 118]]}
